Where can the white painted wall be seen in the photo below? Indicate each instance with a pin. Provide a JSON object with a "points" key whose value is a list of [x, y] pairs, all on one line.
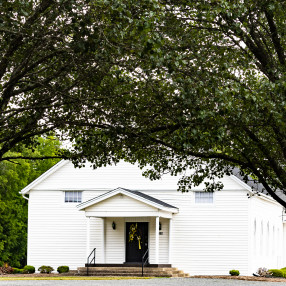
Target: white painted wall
{"points": [[206, 239], [56, 231], [266, 234]]}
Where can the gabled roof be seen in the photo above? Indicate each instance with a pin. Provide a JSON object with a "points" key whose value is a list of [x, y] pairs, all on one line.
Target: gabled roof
{"points": [[255, 186], [133, 194], [44, 176], [250, 182]]}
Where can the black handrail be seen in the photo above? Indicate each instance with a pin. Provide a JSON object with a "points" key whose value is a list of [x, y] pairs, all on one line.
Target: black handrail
{"points": [[145, 261], [89, 262]]}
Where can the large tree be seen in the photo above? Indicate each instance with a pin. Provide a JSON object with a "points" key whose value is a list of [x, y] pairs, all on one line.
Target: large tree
{"points": [[54, 58], [209, 93], [13, 208], [173, 84]]}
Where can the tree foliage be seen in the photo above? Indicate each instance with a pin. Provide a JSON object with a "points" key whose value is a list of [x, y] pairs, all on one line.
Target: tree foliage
{"points": [[54, 58], [208, 93], [173, 84], [14, 176]]}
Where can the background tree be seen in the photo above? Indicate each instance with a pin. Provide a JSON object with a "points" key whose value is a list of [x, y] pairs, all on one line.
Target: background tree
{"points": [[14, 176]]}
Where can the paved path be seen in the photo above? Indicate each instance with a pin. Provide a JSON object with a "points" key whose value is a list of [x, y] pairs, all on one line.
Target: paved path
{"points": [[147, 282]]}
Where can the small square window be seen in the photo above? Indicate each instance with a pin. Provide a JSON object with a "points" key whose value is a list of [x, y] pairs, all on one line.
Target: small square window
{"points": [[73, 197], [204, 197]]}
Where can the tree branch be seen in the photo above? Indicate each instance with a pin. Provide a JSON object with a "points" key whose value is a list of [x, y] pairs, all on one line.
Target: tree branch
{"points": [[275, 38]]}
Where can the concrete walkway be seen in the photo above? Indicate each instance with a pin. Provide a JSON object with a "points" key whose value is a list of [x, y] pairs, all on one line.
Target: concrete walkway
{"points": [[139, 282]]}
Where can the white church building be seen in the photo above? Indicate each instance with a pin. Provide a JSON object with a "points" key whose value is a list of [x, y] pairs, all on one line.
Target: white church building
{"points": [[121, 214]]}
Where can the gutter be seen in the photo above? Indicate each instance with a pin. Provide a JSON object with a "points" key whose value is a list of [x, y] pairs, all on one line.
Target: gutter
{"points": [[23, 195]]}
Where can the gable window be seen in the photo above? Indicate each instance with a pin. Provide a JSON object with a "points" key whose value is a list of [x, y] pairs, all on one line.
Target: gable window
{"points": [[204, 197], [73, 197]]}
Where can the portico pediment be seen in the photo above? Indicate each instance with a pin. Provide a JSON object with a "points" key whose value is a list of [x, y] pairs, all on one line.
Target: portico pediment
{"points": [[126, 203]]}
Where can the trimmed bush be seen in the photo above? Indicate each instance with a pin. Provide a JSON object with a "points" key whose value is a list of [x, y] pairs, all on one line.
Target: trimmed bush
{"points": [[276, 272], [63, 269], [234, 272], [284, 271], [17, 271], [29, 269], [46, 269]]}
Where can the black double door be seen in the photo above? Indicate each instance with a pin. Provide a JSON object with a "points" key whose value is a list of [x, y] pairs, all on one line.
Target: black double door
{"points": [[136, 240]]}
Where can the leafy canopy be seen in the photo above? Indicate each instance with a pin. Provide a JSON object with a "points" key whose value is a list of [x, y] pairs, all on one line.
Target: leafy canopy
{"points": [[55, 57], [208, 93], [175, 84]]}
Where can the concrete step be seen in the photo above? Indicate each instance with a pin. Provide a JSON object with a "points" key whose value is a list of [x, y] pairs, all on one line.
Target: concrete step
{"points": [[132, 271], [123, 271], [128, 268], [126, 274]]}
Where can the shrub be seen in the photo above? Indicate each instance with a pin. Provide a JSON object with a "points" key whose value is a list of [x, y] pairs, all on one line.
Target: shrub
{"points": [[17, 271], [234, 272], [46, 269], [6, 270], [63, 269], [284, 271], [276, 272], [28, 269]]}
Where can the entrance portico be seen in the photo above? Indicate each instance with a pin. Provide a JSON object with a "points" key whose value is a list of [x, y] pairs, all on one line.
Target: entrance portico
{"points": [[115, 223]]}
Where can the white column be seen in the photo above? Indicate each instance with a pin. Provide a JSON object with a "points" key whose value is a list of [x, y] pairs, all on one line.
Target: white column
{"points": [[170, 240], [103, 240], [157, 241], [87, 236]]}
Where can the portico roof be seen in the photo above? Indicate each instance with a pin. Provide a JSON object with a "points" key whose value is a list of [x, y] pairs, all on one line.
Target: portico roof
{"points": [[135, 200]]}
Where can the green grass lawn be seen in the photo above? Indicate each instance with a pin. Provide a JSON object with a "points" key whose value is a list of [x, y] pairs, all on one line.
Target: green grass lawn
{"points": [[72, 278]]}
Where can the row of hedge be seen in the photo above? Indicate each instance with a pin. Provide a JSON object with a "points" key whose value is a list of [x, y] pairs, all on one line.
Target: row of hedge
{"points": [[49, 269], [28, 269], [278, 272], [264, 272]]}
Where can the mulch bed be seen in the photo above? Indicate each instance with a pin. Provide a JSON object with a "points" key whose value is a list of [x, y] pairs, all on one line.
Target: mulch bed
{"points": [[247, 278], [38, 275]]}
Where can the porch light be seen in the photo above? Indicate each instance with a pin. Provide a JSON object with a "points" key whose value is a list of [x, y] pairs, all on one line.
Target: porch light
{"points": [[113, 225], [160, 226]]}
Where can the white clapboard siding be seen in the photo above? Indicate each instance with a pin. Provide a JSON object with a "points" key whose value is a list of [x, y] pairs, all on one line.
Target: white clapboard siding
{"points": [[206, 238], [266, 234], [96, 238], [164, 241], [123, 175], [120, 203], [114, 241], [56, 231]]}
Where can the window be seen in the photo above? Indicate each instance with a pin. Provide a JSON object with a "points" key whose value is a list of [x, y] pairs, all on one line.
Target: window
{"points": [[73, 197], [254, 238], [204, 197]]}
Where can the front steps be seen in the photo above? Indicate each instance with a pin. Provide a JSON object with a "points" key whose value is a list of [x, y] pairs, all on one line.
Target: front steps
{"points": [[132, 271]]}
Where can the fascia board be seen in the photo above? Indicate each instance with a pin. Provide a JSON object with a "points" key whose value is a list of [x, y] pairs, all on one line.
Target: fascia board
{"points": [[122, 191], [45, 175], [259, 195], [240, 182]]}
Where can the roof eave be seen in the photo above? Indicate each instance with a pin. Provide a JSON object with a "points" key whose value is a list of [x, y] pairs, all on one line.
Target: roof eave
{"points": [[117, 191], [43, 177]]}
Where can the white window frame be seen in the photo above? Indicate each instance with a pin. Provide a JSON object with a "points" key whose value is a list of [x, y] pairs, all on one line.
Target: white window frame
{"points": [[204, 198], [72, 197]]}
